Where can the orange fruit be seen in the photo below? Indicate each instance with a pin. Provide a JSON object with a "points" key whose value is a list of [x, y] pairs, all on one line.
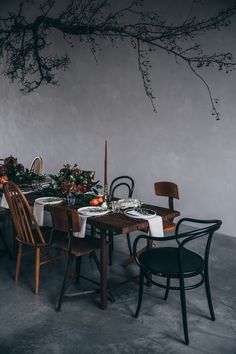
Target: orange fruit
{"points": [[96, 201], [3, 179]]}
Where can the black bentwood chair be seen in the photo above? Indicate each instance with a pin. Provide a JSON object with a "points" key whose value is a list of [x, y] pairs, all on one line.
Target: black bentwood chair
{"points": [[121, 184], [178, 262], [120, 187]]}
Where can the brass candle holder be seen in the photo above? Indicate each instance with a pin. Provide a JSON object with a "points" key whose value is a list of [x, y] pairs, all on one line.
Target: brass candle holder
{"points": [[105, 195], [105, 192]]}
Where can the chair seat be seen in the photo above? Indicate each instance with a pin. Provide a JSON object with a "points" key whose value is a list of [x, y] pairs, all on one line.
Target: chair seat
{"points": [[79, 247], [164, 262], [169, 227]]}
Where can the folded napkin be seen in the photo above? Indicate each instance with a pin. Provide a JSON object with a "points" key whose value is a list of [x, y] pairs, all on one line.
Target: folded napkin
{"points": [[43, 217], [38, 212], [83, 218], [4, 203], [156, 226], [83, 222]]}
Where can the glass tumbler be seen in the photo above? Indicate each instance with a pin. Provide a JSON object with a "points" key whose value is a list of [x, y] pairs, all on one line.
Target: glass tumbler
{"points": [[115, 205], [70, 199]]}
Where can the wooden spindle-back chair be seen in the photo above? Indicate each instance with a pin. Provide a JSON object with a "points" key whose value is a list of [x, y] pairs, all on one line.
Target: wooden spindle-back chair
{"points": [[28, 232], [37, 165]]}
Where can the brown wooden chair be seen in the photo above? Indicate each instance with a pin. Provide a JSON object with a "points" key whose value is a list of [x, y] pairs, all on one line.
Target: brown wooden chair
{"points": [[171, 191], [28, 233], [37, 165], [65, 223]]}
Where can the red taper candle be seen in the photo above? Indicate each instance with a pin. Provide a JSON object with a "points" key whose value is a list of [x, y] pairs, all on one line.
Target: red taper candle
{"points": [[105, 164]]}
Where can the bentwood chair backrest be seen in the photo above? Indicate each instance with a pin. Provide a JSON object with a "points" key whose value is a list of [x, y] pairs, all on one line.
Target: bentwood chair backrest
{"points": [[167, 189], [37, 165], [122, 187], [125, 184], [27, 229]]}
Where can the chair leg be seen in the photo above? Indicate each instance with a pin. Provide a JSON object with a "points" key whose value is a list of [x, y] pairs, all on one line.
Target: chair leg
{"points": [[183, 308], [140, 295], [148, 280], [68, 265], [18, 261], [78, 268], [37, 269], [92, 231], [208, 293], [110, 247], [112, 241], [167, 288], [129, 245], [7, 249]]}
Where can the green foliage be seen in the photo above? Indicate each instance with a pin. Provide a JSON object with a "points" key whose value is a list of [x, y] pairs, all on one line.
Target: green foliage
{"points": [[16, 172], [71, 179]]}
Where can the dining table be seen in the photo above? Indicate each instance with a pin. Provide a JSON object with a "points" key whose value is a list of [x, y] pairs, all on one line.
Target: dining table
{"points": [[119, 223]]}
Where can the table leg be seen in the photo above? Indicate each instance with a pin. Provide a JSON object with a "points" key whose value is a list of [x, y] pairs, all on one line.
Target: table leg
{"points": [[8, 238], [103, 261], [130, 260]]}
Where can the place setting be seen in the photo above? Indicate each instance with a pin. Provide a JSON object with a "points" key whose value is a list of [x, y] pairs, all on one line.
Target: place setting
{"points": [[140, 213], [93, 211]]}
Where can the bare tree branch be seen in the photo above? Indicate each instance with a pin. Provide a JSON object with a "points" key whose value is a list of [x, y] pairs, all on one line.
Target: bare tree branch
{"points": [[24, 42]]}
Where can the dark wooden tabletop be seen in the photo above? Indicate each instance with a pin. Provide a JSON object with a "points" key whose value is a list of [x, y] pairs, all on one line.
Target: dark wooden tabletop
{"points": [[120, 223]]}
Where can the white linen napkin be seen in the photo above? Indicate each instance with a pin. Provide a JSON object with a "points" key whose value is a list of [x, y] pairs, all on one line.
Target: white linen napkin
{"points": [[156, 226], [4, 203], [43, 217], [83, 222], [38, 212]]}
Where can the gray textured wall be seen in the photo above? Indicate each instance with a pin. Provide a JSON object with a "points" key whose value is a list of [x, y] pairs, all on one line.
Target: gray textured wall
{"points": [[94, 102]]}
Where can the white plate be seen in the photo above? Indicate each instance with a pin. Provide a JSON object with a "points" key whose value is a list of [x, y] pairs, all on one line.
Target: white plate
{"points": [[27, 191], [92, 211], [129, 203], [45, 184], [140, 213], [49, 200]]}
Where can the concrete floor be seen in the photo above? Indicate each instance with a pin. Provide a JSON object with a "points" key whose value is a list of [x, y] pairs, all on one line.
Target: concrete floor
{"points": [[29, 323]]}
